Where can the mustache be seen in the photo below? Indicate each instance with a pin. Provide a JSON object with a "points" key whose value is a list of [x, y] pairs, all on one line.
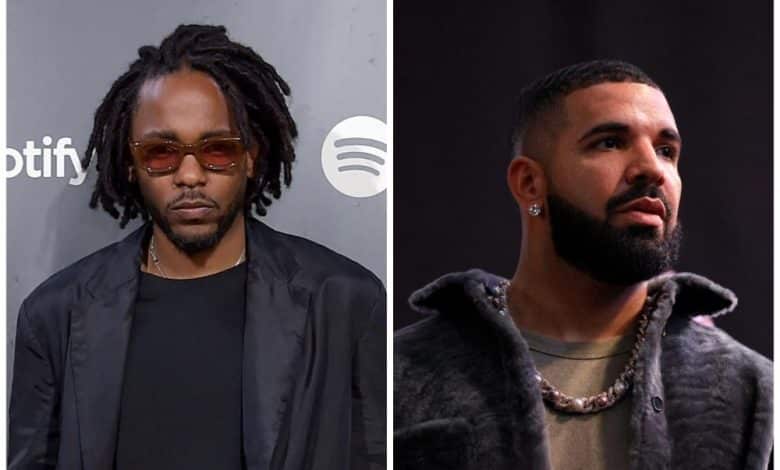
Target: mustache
{"points": [[193, 195], [637, 191]]}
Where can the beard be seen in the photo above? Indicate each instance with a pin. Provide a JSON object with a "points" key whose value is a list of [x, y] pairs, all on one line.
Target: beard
{"points": [[609, 254], [192, 244]]}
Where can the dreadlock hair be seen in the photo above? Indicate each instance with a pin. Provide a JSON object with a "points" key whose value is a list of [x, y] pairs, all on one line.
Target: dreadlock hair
{"points": [[547, 93], [255, 94]]}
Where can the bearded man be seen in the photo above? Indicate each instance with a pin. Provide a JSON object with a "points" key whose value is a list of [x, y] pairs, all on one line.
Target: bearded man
{"points": [[589, 357], [205, 339]]}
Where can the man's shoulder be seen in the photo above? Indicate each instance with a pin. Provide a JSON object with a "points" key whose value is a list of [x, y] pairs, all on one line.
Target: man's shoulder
{"points": [[418, 334], [454, 323], [337, 286], [48, 307], [415, 344], [317, 263], [439, 344], [691, 342], [72, 278]]}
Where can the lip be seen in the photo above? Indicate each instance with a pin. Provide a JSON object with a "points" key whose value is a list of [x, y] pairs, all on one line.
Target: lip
{"points": [[186, 205], [642, 218], [192, 210], [192, 213], [645, 205]]}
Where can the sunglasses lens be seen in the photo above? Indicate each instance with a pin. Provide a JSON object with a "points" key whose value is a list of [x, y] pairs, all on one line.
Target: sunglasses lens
{"points": [[164, 157], [220, 154], [160, 156]]}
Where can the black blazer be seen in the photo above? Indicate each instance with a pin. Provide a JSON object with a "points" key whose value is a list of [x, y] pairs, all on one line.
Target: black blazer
{"points": [[313, 372]]}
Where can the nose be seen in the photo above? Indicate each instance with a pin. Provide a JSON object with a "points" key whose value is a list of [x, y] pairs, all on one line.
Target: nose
{"points": [[645, 164], [189, 173]]}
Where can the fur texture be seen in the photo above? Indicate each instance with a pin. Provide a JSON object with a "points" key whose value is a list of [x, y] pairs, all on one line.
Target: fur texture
{"points": [[466, 398]]}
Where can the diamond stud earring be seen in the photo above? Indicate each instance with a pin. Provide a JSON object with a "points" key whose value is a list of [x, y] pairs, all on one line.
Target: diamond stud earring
{"points": [[535, 209]]}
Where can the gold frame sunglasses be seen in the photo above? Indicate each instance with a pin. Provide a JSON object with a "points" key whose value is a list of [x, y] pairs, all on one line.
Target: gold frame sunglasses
{"points": [[162, 156]]}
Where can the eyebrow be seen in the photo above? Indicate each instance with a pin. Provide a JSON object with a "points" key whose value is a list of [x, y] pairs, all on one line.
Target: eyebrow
{"points": [[671, 134], [620, 128], [171, 135]]}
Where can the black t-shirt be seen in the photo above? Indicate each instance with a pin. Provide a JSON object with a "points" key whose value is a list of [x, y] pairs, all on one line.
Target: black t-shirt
{"points": [[181, 394]]}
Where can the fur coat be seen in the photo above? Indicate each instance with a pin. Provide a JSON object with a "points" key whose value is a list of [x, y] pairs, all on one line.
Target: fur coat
{"points": [[466, 397]]}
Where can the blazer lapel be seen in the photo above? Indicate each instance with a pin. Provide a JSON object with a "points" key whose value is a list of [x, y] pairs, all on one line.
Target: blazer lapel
{"points": [[275, 322], [100, 330]]}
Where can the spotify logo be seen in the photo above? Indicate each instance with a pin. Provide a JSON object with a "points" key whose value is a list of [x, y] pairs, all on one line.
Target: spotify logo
{"points": [[354, 156]]}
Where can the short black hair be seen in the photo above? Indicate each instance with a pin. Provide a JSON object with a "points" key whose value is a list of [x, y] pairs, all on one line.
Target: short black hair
{"points": [[544, 94], [255, 94]]}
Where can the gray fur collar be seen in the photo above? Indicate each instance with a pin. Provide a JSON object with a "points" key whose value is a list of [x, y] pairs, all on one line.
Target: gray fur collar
{"points": [[692, 294]]}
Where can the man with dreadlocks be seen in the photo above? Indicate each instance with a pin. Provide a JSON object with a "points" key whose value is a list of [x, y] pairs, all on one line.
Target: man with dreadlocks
{"points": [[204, 339], [590, 356]]}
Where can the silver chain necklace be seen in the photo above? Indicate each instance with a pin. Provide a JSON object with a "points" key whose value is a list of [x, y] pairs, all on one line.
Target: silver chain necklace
{"points": [[156, 259], [594, 403]]}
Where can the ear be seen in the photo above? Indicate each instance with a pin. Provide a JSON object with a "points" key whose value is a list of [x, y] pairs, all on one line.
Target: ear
{"points": [[527, 181], [251, 156], [130, 173]]}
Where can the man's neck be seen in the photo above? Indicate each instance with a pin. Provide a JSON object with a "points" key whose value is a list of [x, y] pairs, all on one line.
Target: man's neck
{"points": [[174, 263], [552, 298]]}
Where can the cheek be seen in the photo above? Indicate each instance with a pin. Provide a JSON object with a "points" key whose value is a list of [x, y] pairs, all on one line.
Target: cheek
{"points": [[226, 188], [675, 197], [154, 191], [673, 184], [588, 185]]}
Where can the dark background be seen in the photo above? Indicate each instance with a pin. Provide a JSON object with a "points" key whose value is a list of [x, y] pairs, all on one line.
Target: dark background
{"points": [[459, 69]]}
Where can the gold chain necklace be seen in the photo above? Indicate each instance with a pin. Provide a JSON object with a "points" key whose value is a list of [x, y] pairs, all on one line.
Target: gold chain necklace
{"points": [[594, 403], [156, 259]]}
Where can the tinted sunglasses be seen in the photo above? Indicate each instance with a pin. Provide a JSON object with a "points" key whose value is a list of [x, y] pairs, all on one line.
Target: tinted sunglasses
{"points": [[165, 156]]}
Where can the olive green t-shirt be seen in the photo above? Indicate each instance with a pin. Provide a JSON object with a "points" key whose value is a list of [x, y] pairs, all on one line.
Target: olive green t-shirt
{"points": [[591, 441]]}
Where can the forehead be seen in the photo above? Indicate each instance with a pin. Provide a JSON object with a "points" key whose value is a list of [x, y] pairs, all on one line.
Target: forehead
{"points": [[634, 104], [186, 103]]}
